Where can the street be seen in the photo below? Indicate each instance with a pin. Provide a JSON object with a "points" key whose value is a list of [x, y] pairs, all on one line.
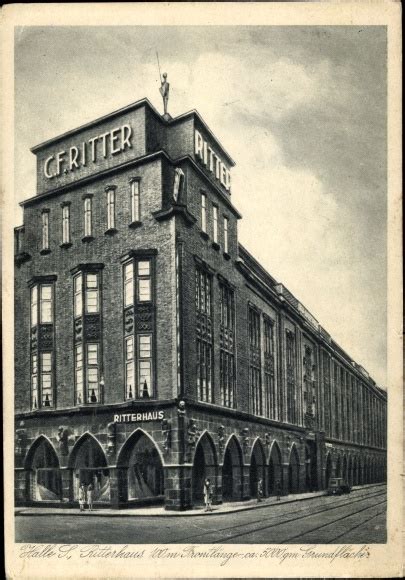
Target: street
{"points": [[356, 518]]}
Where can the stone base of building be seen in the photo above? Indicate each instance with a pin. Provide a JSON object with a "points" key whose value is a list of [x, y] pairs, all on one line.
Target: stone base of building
{"points": [[160, 453]]}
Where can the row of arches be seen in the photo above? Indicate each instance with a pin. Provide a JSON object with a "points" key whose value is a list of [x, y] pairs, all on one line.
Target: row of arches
{"points": [[140, 471]]}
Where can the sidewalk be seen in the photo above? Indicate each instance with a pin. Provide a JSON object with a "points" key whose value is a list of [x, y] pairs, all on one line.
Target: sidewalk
{"points": [[159, 511]]}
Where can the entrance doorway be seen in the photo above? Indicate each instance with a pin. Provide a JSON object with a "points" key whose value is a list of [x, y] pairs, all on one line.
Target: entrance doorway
{"points": [[275, 470], [45, 482], [232, 472], [257, 469], [204, 467], [90, 467], [293, 471], [311, 475]]}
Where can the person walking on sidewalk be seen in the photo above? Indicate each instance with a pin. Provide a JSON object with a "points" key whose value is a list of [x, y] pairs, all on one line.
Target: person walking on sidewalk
{"points": [[82, 496], [278, 490], [207, 495], [90, 493], [259, 489]]}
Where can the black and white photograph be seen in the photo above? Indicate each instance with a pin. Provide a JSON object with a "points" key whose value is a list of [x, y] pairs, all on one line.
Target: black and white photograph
{"points": [[200, 217]]}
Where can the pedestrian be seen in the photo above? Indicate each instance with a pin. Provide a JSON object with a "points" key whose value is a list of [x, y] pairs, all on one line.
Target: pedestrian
{"points": [[278, 490], [259, 489], [90, 493], [82, 496], [207, 495]]}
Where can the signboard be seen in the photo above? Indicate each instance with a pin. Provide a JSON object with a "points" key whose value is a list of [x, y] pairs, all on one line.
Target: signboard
{"points": [[212, 161], [87, 152], [139, 417]]}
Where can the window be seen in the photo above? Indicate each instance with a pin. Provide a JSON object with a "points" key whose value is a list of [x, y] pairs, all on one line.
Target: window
{"points": [[203, 290], [135, 201], [78, 296], [46, 304], [270, 398], [91, 293], [45, 230], [204, 212], [226, 248], [45, 315], [255, 363], [34, 306], [215, 223], [88, 217], [92, 373], [129, 284], [34, 381], [111, 208], [144, 281], [145, 364], [130, 392], [138, 327], [46, 379], [178, 183], [79, 374], [227, 341], [66, 224], [290, 348]]}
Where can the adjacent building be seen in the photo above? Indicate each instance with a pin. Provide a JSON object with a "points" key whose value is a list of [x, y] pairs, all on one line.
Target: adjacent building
{"points": [[152, 350]]}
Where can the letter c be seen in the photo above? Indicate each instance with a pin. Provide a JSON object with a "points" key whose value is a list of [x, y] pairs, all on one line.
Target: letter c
{"points": [[47, 162]]}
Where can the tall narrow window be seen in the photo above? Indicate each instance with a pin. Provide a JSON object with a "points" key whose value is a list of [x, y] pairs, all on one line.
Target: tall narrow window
{"points": [[34, 305], [34, 381], [45, 230], [88, 230], [78, 295], [145, 364], [270, 400], [79, 374], [66, 224], [110, 208], [129, 284], [204, 335], [46, 379], [45, 303], [130, 392], [204, 212], [135, 201], [215, 223], [227, 348], [255, 363], [92, 293], [139, 326], [92, 373], [291, 362], [144, 281], [226, 246]]}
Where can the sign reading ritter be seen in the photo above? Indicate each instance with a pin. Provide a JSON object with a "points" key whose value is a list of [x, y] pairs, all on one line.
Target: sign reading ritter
{"points": [[101, 146]]}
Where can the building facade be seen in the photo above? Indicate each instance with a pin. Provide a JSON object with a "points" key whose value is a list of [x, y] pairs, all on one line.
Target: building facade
{"points": [[152, 350]]}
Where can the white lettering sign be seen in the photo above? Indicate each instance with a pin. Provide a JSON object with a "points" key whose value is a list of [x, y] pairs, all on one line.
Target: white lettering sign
{"points": [[137, 417], [211, 160], [96, 148]]}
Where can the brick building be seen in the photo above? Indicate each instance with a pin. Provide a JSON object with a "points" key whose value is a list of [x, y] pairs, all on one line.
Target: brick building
{"points": [[152, 350]]}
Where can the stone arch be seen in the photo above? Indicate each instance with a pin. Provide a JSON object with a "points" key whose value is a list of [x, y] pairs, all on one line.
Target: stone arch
{"points": [[293, 470], [275, 475], [205, 465], [328, 469], [232, 470], [140, 469], [44, 481], [88, 462], [257, 467]]}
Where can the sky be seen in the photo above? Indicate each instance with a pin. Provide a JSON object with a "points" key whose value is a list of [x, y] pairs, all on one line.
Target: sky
{"points": [[301, 110]]}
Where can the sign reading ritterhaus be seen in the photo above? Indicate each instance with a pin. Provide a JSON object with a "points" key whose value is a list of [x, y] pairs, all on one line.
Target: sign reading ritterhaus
{"points": [[138, 417]]}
